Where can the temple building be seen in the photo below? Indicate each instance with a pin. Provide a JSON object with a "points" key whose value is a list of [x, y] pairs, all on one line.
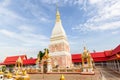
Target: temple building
{"points": [[59, 47], [60, 56]]}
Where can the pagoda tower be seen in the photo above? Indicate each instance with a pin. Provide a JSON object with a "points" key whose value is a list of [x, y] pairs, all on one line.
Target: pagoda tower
{"points": [[59, 48]]}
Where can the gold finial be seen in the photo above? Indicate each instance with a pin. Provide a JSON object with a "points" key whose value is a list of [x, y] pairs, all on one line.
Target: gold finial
{"points": [[85, 50], [46, 56], [57, 14], [46, 52], [62, 77]]}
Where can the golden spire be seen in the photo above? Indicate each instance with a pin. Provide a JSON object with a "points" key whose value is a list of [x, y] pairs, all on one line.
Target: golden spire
{"points": [[57, 14], [46, 56], [84, 44], [85, 50]]}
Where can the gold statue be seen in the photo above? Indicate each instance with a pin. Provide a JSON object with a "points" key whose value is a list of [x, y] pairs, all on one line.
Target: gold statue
{"points": [[20, 73], [86, 58], [19, 63], [9, 75]]}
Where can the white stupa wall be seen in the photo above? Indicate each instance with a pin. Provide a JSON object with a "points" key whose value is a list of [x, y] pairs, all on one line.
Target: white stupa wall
{"points": [[59, 47]]}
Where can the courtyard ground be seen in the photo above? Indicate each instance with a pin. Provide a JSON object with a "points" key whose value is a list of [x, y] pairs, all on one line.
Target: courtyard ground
{"points": [[100, 74], [108, 74]]}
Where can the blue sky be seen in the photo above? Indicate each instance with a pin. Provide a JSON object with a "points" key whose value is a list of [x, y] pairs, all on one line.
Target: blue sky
{"points": [[26, 25]]}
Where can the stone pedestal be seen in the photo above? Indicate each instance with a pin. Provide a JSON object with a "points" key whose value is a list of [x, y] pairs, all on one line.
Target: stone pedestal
{"points": [[49, 68], [90, 70], [41, 68], [84, 70], [87, 70]]}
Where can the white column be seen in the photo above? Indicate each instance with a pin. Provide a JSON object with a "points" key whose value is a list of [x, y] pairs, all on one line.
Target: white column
{"points": [[118, 65], [115, 65], [102, 64], [111, 65], [108, 64]]}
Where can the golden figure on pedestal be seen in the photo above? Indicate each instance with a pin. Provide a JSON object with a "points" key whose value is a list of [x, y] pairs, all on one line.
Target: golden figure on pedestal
{"points": [[87, 62], [20, 73]]}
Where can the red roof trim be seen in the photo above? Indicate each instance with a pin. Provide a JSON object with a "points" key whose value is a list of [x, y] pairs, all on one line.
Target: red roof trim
{"points": [[116, 50], [29, 61]]}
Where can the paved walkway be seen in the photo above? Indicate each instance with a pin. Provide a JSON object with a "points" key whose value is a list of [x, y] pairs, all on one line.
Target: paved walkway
{"points": [[100, 74], [67, 76]]}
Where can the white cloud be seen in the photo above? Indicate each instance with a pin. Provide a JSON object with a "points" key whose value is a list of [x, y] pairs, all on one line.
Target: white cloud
{"points": [[62, 2], [6, 13], [26, 38], [36, 11], [9, 18], [105, 17], [105, 26], [50, 1], [115, 32], [5, 3], [12, 51], [78, 2], [27, 28], [7, 33], [94, 1]]}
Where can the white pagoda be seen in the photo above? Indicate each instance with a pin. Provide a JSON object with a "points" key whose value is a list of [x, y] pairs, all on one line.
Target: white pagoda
{"points": [[59, 48]]}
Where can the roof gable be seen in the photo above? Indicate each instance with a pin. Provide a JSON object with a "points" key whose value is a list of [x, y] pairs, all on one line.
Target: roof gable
{"points": [[13, 59]]}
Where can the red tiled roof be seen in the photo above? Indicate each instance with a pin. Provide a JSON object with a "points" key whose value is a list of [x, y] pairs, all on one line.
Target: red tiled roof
{"points": [[108, 52], [12, 59], [115, 54], [76, 56], [116, 50], [29, 61], [100, 59], [97, 57], [76, 60], [98, 54]]}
